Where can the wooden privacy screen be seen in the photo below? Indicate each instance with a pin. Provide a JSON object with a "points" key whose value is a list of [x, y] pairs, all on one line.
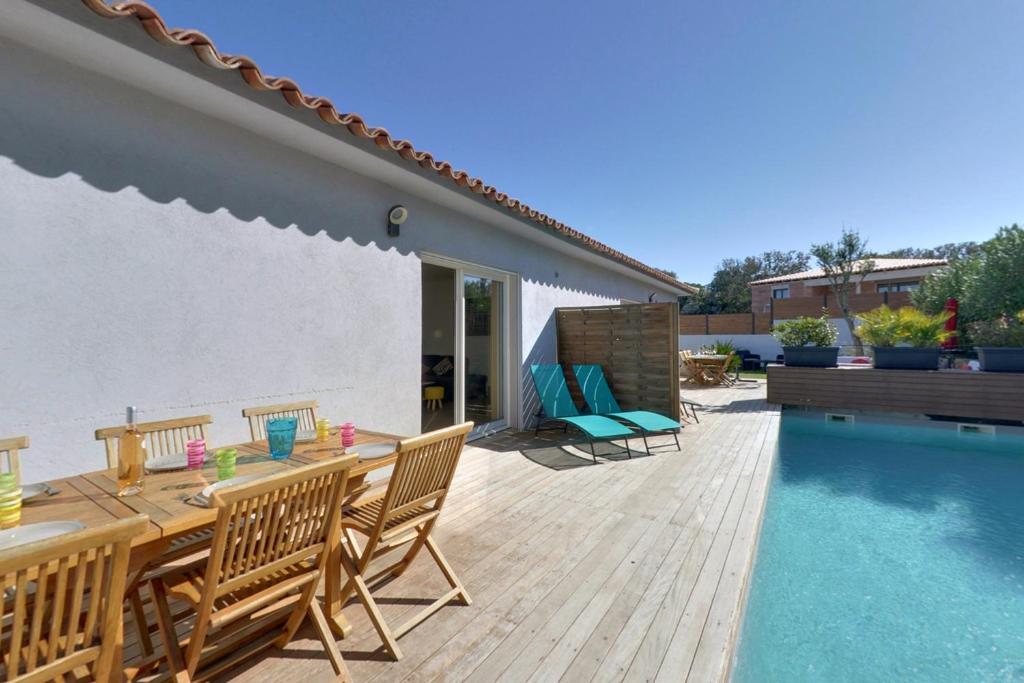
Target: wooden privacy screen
{"points": [[636, 344]]}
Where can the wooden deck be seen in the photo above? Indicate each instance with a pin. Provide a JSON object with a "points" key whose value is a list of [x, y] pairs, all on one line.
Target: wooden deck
{"points": [[624, 570]]}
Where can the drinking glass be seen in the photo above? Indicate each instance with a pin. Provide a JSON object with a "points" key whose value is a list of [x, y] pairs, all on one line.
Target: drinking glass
{"points": [[281, 436], [323, 429], [10, 501], [226, 458]]}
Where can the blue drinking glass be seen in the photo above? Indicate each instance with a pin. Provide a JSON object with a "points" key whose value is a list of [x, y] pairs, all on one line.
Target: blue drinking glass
{"points": [[281, 436]]}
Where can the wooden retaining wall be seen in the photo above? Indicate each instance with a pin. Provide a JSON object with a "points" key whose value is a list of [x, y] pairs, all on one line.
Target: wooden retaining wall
{"points": [[636, 344], [981, 395]]}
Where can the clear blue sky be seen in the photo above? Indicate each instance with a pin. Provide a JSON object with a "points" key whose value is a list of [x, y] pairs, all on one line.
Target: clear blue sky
{"points": [[682, 132]]}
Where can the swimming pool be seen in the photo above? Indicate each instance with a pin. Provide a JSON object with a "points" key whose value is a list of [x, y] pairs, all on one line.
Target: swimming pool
{"points": [[888, 553]]}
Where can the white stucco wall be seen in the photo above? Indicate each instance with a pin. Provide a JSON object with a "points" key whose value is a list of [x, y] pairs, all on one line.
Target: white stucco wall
{"points": [[156, 256]]}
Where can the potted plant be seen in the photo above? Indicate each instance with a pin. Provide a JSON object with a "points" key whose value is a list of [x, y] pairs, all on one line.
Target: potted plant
{"points": [[1000, 343], [808, 342], [903, 339]]}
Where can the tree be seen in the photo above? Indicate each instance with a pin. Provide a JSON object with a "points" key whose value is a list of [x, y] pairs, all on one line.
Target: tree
{"points": [[729, 289], [846, 264], [950, 252], [671, 273], [987, 284]]}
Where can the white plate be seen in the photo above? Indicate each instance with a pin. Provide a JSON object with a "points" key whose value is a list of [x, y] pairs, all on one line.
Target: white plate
{"points": [[373, 451], [305, 435], [205, 494], [170, 463], [30, 491], [36, 532]]}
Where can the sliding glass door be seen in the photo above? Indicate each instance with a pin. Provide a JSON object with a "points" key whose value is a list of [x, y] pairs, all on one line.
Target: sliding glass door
{"points": [[484, 333], [466, 353]]}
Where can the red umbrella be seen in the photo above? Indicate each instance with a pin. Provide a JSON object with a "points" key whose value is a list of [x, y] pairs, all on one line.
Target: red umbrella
{"points": [[951, 307]]}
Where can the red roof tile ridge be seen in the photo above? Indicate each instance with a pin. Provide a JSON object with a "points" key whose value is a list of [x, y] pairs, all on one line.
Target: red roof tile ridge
{"points": [[207, 52]]}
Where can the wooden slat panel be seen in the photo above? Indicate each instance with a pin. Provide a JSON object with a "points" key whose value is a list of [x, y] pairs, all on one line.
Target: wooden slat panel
{"points": [[636, 345], [982, 395]]}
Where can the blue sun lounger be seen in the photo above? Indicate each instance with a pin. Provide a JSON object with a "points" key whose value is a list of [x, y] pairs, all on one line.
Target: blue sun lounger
{"points": [[600, 401], [556, 405]]}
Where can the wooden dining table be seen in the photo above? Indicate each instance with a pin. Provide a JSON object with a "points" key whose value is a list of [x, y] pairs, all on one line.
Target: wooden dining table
{"points": [[92, 500], [707, 366]]}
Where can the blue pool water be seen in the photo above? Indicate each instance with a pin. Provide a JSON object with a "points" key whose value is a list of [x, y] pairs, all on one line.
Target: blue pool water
{"points": [[888, 553]]}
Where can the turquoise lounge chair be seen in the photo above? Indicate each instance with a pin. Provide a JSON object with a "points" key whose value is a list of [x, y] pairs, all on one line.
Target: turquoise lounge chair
{"points": [[556, 405], [599, 399]]}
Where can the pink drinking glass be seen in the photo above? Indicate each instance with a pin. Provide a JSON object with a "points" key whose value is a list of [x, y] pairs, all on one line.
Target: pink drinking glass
{"points": [[348, 435], [196, 453]]}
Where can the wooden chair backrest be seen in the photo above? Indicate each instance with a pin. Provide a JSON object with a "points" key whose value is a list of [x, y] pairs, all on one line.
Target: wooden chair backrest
{"points": [[61, 602], [423, 473], [271, 524], [305, 411], [164, 437], [9, 460]]}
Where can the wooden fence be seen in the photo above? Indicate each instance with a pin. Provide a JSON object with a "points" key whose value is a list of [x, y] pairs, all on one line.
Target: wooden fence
{"points": [[726, 323], [786, 309], [636, 344]]}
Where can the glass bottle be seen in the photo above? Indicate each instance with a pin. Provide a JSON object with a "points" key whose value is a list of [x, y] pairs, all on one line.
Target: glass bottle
{"points": [[131, 458]]}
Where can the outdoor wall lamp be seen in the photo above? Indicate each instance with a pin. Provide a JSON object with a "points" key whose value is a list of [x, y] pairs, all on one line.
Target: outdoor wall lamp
{"points": [[396, 216]]}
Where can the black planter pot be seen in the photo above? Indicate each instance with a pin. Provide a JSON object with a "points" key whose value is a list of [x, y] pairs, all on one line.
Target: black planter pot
{"points": [[811, 356], [906, 358], [1001, 358]]}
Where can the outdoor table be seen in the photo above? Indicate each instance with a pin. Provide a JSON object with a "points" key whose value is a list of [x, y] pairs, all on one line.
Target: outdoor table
{"points": [[709, 360], [92, 500]]}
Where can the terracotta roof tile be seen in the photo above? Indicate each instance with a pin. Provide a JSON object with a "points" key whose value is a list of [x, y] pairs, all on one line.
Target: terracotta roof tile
{"points": [[207, 52], [881, 264]]}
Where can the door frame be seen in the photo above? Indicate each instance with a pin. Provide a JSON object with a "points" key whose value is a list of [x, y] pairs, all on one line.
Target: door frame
{"points": [[510, 355]]}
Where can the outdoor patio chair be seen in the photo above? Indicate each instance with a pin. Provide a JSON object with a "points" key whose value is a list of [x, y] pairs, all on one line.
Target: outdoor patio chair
{"points": [[599, 399], [163, 437], [258, 583], [695, 372], [720, 373], [406, 512], [61, 604], [303, 411], [557, 406], [10, 461]]}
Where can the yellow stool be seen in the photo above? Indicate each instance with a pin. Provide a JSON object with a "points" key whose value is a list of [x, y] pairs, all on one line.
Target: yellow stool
{"points": [[433, 396]]}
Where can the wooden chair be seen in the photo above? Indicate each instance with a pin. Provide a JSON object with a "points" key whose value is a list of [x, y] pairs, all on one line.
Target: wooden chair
{"points": [[9, 460], [165, 437], [405, 513], [719, 374], [304, 411], [61, 604], [271, 541], [696, 372]]}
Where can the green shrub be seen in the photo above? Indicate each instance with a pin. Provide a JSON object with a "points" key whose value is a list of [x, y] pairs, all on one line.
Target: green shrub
{"points": [[1004, 331], [988, 285], [885, 327], [880, 327], [806, 332]]}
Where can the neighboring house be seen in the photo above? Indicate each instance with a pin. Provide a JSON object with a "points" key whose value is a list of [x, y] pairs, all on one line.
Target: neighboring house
{"points": [[186, 234], [888, 276]]}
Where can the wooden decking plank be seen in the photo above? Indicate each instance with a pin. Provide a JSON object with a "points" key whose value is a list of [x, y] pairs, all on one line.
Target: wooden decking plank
{"points": [[711, 660], [590, 655], [593, 568], [679, 654], [625, 569], [648, 657]]}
